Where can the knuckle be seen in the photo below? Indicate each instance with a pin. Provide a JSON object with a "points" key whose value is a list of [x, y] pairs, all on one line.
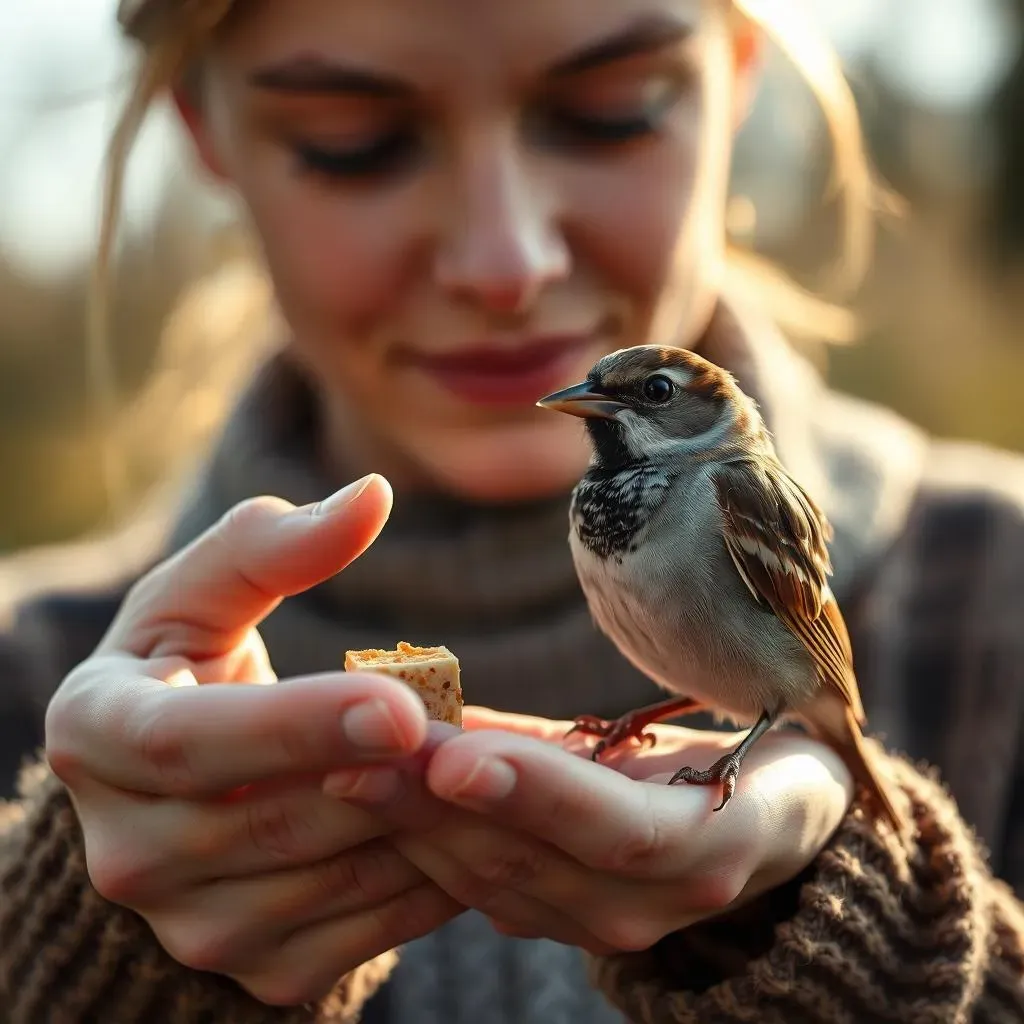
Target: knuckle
{"points": [[511, 866], [339, 879], [277, 830], [507, 905], [459, 882], [717, 890], [160, 743], [361, 876], [242, 530], [60, 714], [198, 945], [64, 762], [245, 522], [632, 934], [475, 893], [637, 849], [63, 754], [411, 915], [63, 725], [280, 988], [251, 513], [123, 878], [199, 840]]}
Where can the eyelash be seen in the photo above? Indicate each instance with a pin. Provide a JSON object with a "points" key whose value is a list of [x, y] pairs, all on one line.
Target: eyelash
{"points": [[564, 128], [388, 154], [557, 128]]}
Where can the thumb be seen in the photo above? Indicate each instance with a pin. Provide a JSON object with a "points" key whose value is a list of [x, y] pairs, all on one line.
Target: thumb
{"points": [[201, 601]]}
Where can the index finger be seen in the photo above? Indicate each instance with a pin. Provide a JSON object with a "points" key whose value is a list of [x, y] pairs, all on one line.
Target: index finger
{"points": [[192, 741], [199, 602]]}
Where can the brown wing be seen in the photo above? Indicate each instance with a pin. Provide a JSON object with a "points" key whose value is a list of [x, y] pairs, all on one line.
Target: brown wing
{"points": [[777, 536]]}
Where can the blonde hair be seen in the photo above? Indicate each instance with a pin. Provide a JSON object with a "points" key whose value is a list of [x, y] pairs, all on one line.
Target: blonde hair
{"points": [[173, 32]]}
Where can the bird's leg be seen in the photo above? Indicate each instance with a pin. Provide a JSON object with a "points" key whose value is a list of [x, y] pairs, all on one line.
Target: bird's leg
{"points": [[726, 770], [632, 725]]}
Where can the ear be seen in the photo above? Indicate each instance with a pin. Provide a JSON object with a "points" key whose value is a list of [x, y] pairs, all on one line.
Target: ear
{"points": [[747, 56], [188, 103]]}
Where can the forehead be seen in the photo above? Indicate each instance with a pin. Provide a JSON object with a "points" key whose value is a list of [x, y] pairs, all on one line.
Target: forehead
{"points": [[439, 39]]}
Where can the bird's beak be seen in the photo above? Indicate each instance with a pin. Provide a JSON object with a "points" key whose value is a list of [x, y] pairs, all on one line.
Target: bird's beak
{"points": [[580, 400]]}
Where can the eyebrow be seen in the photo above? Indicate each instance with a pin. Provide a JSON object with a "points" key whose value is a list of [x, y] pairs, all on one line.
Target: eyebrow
{"points": [[646, 35], [310, 74]]}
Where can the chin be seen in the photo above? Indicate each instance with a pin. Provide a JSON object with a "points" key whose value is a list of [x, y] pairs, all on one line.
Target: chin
{"points": [[509, 465]]}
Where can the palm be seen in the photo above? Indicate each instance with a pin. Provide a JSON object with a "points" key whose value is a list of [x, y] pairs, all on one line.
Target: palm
{"points": [[675, 745]]}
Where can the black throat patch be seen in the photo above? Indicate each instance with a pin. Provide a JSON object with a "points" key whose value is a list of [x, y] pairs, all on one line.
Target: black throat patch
{"points": [[611, 506], [609, 449]]}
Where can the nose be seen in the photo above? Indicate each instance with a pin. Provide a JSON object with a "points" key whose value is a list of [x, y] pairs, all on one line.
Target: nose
{"points": [[502, 244]]}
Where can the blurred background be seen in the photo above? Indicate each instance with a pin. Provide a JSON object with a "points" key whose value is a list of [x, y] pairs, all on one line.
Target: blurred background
{"points": [[941, 91]]}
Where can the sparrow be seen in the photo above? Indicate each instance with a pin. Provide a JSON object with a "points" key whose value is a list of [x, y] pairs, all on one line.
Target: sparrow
{"points": [[707, 564]]}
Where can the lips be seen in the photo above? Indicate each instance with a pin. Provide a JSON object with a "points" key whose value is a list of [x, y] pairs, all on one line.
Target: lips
{"points": [[506, 375]]}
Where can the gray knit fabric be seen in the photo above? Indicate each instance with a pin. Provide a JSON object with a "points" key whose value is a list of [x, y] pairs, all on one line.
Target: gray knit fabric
{"points": [[465, 973], [497, 586]]}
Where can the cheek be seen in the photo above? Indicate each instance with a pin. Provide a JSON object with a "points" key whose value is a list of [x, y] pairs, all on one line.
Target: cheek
{"points": [[339, 260], [650, 225], [629, 217]]}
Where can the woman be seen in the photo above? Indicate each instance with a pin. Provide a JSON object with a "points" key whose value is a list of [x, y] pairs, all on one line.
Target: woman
{"points": [[461, 206]]}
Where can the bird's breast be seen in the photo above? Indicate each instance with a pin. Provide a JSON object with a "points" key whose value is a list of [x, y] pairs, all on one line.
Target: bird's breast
{"points": [[673, 604], [612, 509]]}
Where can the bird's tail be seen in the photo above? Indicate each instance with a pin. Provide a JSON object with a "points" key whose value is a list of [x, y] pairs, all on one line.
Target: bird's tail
{"points": [[861, 760]]}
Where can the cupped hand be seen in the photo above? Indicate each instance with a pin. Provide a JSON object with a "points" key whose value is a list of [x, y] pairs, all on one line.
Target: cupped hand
{"points": [[200, 799], [608, 857]]}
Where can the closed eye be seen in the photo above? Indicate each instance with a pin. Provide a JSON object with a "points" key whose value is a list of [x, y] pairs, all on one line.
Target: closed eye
{"points": [[388, 154]]}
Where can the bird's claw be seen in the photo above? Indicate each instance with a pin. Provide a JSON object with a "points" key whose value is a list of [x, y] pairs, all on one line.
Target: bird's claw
{"points": [[613, 732], [726, 771], [590, 725]]}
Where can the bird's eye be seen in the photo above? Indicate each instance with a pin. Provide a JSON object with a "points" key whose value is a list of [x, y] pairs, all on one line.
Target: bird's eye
{"points": [[658, 389]]}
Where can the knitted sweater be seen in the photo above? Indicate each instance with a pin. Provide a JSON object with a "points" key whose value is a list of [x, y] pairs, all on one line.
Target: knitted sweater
{"points": [[929, 554]]}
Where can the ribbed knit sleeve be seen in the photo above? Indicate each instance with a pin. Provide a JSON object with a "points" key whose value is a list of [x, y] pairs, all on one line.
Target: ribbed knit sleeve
{"points": [[876, 933], [68, 956]]}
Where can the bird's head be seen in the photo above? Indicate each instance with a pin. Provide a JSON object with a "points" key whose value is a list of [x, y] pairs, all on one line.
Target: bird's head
{"points": [[653, 401]]}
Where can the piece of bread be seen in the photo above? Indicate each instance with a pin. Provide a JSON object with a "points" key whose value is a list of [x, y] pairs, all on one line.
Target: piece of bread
{"points": [[433, 672]]}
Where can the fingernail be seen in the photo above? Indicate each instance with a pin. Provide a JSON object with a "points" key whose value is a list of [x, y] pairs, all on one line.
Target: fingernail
{"points": [[490, 779], [339, 499], [371, 727], [371, 786]]}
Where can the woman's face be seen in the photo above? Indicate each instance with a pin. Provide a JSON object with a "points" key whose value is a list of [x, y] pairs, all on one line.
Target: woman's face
{"points": [[464, 203]]}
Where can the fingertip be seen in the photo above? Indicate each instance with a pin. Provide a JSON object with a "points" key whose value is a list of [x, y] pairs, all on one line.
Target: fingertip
{"points": [[402, 702], [439, 733], [472, 780], [371, 491], [372, 497], [450, 762], [489, 762], [380, 487]]}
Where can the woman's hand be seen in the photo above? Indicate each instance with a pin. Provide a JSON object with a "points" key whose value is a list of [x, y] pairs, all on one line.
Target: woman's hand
{"points": [[608, 857], [200, 800]]}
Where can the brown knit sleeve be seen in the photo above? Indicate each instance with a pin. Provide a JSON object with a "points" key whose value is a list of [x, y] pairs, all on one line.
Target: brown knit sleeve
{"points": [[67, 955], [875, 934]]}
